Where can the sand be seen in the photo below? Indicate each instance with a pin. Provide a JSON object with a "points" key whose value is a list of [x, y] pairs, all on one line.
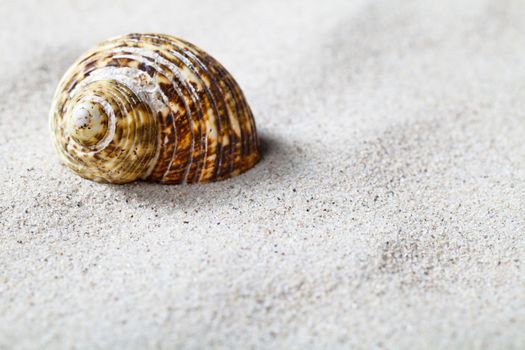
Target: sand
{"points": [[388, 210]]}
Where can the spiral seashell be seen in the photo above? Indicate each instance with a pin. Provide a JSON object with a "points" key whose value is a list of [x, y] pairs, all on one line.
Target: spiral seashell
{"points": [[152, 107]]}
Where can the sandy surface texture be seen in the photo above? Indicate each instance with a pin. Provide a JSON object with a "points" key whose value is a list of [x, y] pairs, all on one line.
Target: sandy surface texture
{"points": [[388, 210]]}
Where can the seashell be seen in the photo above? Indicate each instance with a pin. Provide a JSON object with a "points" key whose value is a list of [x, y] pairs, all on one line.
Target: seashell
{"points": [[152, 107]]}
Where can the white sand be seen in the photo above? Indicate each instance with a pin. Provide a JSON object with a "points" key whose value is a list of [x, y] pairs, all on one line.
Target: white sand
{"points": [[388, 212]]}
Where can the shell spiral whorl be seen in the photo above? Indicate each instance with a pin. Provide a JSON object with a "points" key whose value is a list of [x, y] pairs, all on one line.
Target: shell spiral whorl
{"points": [[152, 107]]}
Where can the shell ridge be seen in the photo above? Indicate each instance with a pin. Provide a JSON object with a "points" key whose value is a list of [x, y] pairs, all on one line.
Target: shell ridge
{"points": [[249, 144], [148, 57], [187, 56], [158, 67], [242, 112], [159, 64], [133, 139], [214, 84], [213, 105], [194, 95]]}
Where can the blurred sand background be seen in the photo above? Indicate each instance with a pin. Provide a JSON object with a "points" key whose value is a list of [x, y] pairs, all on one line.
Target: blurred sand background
{"points": [[388, 211]]}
